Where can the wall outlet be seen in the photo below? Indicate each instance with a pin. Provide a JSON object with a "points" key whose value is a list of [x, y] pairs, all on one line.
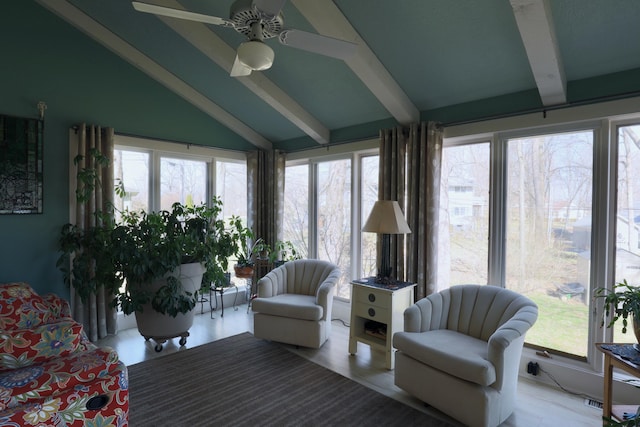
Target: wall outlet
{"points": [[533, 368]]}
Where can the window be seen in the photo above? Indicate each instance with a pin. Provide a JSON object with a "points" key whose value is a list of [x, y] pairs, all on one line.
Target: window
{"points": [[296, 208], [627, 219], [541, 215], [369, 167], [333, 221], [183, 181], [548, 233], [131, 168], [319, 206], [464, 215]]}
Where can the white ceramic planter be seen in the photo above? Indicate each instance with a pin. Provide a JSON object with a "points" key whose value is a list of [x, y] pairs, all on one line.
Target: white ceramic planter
{"points": [[161, 327]]}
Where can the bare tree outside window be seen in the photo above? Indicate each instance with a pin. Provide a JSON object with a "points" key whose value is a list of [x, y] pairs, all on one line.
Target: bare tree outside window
{"points": [[549, 208], [628, 215]]}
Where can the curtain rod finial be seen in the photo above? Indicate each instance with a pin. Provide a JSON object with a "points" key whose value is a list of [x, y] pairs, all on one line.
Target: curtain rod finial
{"points": [[41, 106]]}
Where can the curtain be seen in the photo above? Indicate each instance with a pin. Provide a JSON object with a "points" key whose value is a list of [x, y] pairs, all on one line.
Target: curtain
{"points": [[391, 178], [410, 164], [265, 204], [96, 314]]}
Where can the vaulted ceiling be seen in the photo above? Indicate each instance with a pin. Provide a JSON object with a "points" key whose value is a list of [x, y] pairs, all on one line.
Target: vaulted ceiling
{"points": [[445, 60]]}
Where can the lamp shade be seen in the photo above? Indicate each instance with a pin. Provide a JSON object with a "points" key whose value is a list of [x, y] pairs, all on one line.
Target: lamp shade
{"points": [[386, 218], [255, 55]]}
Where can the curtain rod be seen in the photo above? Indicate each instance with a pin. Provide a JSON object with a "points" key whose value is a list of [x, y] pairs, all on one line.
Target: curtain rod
{"points": [[544, 110]]}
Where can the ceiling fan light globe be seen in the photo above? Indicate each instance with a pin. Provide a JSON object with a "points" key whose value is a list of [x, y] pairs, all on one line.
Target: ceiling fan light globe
{"points": [[255, 55]]}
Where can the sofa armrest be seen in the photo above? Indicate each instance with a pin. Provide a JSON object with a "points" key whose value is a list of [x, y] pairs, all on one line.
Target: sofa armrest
{"points": [[58, 306]]}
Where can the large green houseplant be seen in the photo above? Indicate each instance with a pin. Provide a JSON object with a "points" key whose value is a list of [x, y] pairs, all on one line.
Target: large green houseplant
{"points": [[142, 259], [123, 258], [621, 302]]}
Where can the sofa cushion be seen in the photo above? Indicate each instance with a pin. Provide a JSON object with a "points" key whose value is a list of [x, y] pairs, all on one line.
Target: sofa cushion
{"points": [[57, 391], [289, 305], [22, 308], [23, 347], [457, 354]]}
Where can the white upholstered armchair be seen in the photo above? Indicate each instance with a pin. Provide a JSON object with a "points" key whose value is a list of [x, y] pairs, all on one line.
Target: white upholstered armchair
{"points": [[460, 351], [294, 303]]}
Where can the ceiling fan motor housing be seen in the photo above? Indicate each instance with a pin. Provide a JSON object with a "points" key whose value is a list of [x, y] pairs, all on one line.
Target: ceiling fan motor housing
{"points": [[243, 15]]}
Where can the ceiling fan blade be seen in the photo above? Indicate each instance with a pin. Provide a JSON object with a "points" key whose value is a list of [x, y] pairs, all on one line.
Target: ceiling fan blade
{"points": [[269, 7], [181, 14], [317, 43], [239, 69]]}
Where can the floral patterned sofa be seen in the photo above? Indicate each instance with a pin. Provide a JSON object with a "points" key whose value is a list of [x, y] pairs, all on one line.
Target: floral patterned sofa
{"points": [[50, 374]]}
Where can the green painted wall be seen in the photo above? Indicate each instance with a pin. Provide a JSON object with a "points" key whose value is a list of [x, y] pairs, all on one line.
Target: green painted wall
{"points": [[45, 59]]}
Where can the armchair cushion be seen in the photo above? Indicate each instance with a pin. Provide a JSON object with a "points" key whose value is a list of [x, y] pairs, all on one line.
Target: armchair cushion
{"points": [[460, 355], [290, 305]]}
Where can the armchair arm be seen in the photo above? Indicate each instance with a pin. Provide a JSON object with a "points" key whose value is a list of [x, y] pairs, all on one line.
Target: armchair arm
{"points": [[505, 344]]}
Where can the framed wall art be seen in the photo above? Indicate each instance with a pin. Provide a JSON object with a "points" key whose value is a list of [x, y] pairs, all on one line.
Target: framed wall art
{"points": [[20, 165]]}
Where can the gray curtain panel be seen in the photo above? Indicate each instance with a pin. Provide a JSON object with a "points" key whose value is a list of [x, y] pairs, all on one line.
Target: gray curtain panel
{"points": [[265, 182], [393, 148], [96, 315], [410, 169]]}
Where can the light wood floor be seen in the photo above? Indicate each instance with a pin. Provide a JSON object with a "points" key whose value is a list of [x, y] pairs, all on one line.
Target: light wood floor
{"points": [[538, 405]]}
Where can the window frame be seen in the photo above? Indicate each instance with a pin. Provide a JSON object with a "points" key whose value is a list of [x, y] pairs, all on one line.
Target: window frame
{"points": [[313, 158], [161, 149]]}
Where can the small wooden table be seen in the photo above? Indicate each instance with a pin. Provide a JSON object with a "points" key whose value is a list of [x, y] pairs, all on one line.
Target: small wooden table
{"points": [[612, 360], [377, 311]]}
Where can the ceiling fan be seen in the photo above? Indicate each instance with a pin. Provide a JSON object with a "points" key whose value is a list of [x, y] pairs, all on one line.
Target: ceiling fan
{"points": [[259, 20]]}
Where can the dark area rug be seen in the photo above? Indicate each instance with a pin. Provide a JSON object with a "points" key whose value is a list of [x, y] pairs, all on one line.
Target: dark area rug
{"points": [[243, 381]]}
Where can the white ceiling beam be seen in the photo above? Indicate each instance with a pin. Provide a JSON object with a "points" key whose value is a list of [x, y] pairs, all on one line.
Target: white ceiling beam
{"points": [[207, 42], [102, 35], [535, 24], [328, 20]]}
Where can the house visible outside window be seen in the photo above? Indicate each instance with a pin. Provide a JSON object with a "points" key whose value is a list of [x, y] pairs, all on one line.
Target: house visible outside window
{"points": [[464, 215]]}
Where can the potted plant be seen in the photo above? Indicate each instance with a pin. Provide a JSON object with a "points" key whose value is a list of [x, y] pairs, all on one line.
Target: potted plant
{"points": [[152, 263], [245, 248], [283, 251], [622, 302]]}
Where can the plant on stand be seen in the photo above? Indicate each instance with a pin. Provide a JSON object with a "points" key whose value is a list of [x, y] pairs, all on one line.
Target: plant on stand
{"points": [[245, 248], [283, 251], [622, 302]]}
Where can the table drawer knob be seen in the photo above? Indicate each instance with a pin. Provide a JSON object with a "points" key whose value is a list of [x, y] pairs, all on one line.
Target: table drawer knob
{"points": [[372, 312], [372, 297]]}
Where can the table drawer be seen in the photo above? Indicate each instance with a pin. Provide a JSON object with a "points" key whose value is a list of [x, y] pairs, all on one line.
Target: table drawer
{"points": [[371, 296], [372, 312]]}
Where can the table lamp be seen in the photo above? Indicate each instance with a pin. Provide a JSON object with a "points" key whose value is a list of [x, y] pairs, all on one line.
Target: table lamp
{"points": [[386, 218]]}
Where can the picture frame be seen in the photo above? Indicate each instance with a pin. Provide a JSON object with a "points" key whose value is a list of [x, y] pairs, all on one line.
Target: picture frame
{"points": [[21, 165]]}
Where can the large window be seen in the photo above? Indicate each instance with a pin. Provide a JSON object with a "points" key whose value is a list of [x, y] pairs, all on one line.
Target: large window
{"points": [[319, 206], [333, 221], [156, 174], [539, 205], [464, 215], [628, 214], [548, 233]]}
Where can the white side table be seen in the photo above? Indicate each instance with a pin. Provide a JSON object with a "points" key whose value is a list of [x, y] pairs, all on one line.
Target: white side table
{"points": [[377, 311]]}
